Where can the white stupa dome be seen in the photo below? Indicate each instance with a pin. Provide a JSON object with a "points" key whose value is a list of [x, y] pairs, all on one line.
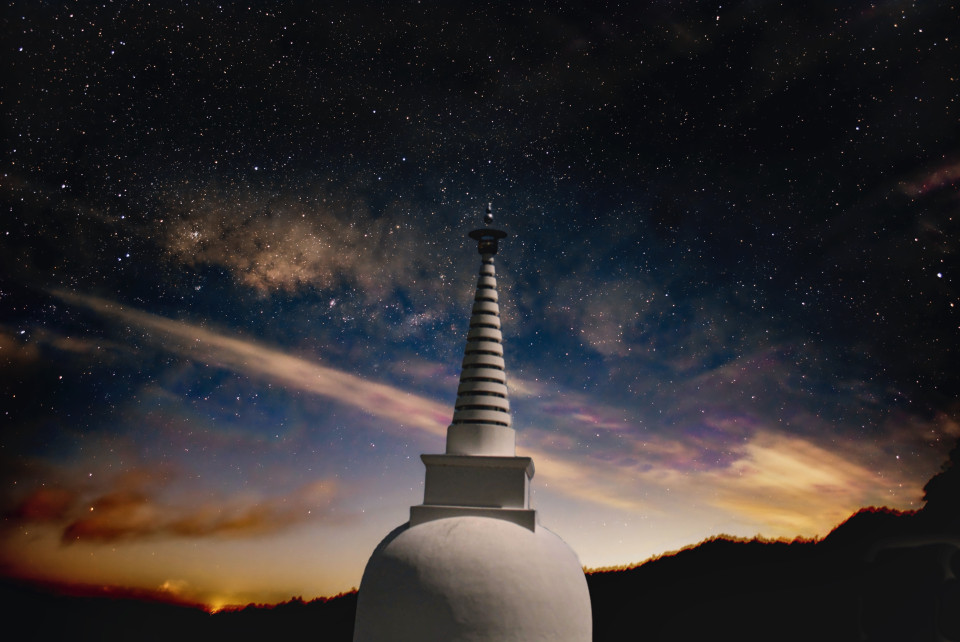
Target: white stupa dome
{"points": [[473, 578]]}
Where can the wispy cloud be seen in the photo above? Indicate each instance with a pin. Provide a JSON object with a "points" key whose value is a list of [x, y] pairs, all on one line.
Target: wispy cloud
{"points": [[737, 462], [132, 506], [793, 486], [401, 409], [932, 179], [45, 504], [137, 514], [13, 351], [776, 486], [24, 345]]}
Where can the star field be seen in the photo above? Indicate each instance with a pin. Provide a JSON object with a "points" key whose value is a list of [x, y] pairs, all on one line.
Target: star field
{"points": [[235, 279]]}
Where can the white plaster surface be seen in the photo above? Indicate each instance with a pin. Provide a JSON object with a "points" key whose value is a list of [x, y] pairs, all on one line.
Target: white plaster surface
{"points": [[481, 439], [476, 579], [494, 482]]}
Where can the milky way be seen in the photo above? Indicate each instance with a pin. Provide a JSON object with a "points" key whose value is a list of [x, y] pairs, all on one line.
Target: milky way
{"points": [[235, 279]]}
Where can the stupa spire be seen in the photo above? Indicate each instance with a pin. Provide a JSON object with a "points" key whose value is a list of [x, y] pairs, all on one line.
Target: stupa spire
{"points": [[481, 418], [480, 473]]}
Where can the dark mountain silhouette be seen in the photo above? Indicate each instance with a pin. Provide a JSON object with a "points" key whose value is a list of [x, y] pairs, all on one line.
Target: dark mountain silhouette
{"points": [[880, 576], [43, 614], [942, 493]]}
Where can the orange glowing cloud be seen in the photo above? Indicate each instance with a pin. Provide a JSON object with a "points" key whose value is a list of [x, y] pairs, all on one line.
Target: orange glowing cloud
{"points": [[138, 505], [131, 515], [45, 505], [775, 484], [793, 486]]}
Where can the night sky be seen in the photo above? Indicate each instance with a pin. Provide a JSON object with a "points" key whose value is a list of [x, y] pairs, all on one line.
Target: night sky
{"points": [[235, 280]]}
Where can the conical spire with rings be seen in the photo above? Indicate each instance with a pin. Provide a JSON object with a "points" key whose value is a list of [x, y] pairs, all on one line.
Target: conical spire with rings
{"points": [[481, 418]]}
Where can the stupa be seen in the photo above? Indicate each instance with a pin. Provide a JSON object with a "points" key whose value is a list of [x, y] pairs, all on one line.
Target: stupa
{"points": [[474, 563]]}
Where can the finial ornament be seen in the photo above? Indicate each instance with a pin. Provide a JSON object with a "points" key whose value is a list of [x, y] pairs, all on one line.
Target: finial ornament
{"points": [[487, 237]]}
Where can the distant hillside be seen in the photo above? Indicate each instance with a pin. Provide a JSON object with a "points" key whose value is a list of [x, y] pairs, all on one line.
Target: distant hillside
{"points": [[44, 615], [881, 576]]}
